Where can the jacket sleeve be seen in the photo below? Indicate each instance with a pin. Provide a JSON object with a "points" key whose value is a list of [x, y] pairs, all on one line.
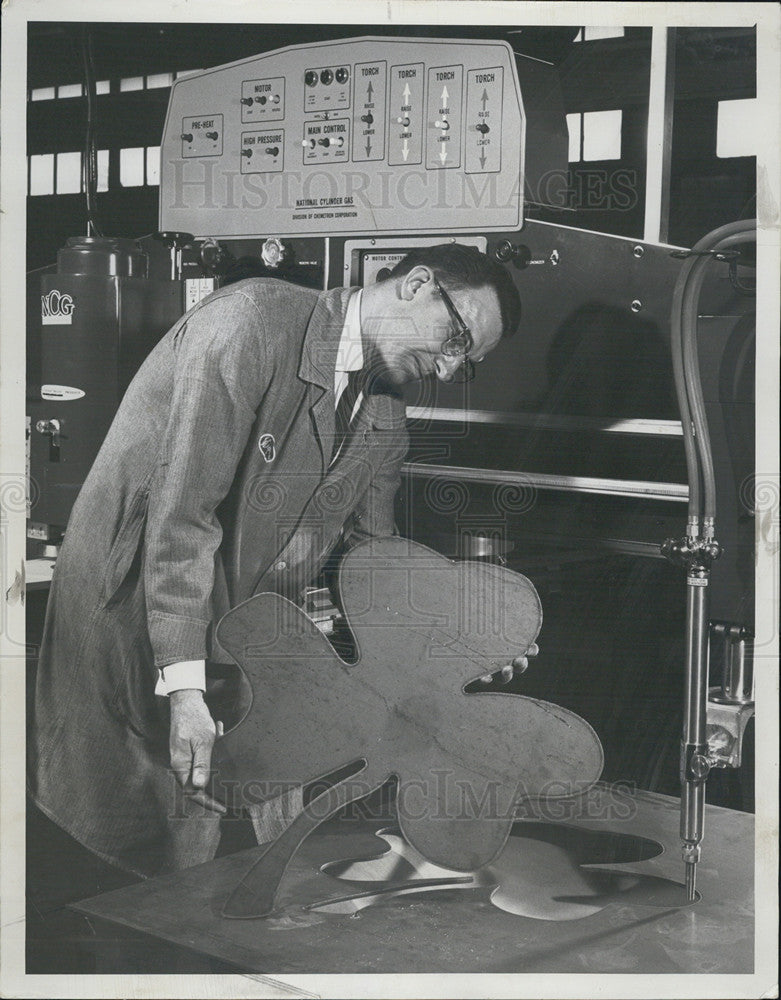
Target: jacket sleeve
{"points": [[221, 374], [374, 514]]}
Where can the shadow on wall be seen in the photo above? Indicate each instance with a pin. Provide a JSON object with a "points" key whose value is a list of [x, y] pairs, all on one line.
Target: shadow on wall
{"points": [[605, 362]]}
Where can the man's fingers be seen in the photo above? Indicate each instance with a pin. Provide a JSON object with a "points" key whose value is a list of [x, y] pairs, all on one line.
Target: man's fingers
{"points": [[181, 759], [202, 798], [533, 650], [202, 757]]}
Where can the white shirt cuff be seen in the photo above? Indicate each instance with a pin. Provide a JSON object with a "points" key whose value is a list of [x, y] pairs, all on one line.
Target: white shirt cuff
{"points": [[177, 676]]}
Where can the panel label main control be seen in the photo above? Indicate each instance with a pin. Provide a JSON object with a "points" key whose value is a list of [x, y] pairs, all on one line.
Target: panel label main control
{"points": [[358, 136], [326, 141]]}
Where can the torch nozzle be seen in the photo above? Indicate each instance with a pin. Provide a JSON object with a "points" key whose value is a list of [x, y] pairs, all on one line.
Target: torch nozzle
{"points": [[691, 880]]}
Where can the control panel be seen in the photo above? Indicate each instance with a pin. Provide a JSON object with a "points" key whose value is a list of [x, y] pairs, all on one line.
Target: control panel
{"points": [[363, 136]]}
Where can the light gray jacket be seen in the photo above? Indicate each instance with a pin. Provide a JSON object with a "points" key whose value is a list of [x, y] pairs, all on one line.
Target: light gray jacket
{"points": [[213, 483]]}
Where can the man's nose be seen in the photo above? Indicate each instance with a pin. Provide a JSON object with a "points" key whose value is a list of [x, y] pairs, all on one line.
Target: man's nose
{"points": [[446, 367]]}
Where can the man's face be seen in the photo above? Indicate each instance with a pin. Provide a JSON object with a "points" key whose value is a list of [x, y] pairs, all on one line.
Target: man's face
{"points": [[411, 343]]}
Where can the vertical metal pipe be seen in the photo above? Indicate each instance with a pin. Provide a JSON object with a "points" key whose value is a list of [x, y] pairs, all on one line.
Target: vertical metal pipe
{"points": [[694, 750], [697, 644]]}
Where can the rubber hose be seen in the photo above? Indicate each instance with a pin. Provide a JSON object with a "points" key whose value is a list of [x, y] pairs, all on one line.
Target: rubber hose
{"points": [[689, 323], [686, 375]]}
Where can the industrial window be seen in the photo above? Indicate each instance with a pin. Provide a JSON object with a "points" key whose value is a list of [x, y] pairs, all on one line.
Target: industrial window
{"points": [[153, 165], [131, 83], [131, 166], [595, 135], [70, 90], [159, 80], [42, 174], [68, 173], [67, 90], [737, 127], [102, 170]]}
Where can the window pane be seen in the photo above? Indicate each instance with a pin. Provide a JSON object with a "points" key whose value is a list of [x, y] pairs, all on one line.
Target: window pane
{"points": [[68, 173], [102, 170], [590, 34], [132, 83], [42, 94], [131, 166], [42, 174], [102, 87], [159, 80], [71, 90], [602, 135], [573, 124], [153, 165], [188, 72], [737, 128]]}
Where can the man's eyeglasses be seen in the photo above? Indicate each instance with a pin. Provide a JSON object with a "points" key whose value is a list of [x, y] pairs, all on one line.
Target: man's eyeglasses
{"points": [[460, 342]]}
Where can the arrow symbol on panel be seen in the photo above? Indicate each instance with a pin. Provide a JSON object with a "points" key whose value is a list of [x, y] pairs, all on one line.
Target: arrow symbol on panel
{"points": [[405, 150], [368, 147], [370, 90], [482, 159], [484, 98], [406, 93], [442, 153], [445, 96]]}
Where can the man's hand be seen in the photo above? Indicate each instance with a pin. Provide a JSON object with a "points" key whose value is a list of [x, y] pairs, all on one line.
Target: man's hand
{"points": [[193, 732], [518, 666]]}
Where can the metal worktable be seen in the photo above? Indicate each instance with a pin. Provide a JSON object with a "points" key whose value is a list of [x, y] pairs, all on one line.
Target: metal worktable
{"points": [[630, 927]]}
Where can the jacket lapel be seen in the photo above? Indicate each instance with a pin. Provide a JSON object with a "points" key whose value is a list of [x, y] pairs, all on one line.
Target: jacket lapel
{"points": [[318, 363], [334, 499]]}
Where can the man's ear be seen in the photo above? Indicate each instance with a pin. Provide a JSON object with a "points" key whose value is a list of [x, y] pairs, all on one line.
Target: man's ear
{"points": [[414, 280]]}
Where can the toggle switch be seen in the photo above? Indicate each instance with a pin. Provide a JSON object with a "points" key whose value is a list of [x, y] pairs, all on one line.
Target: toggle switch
{"points": [[246, 100], [368, 118], [442, 123], [403, 121], [214, 136], [275, 99], [246, 152], [187, 136], [272, 150], [308, 143], [482, 127], [261, 100], [53, 429]]}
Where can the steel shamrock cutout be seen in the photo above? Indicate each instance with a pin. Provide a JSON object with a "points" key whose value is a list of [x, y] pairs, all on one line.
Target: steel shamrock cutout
{"points": [[424, 628]]}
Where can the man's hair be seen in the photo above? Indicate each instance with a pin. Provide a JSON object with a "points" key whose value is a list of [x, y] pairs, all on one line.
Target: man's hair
{"points": [[458, 266]]}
